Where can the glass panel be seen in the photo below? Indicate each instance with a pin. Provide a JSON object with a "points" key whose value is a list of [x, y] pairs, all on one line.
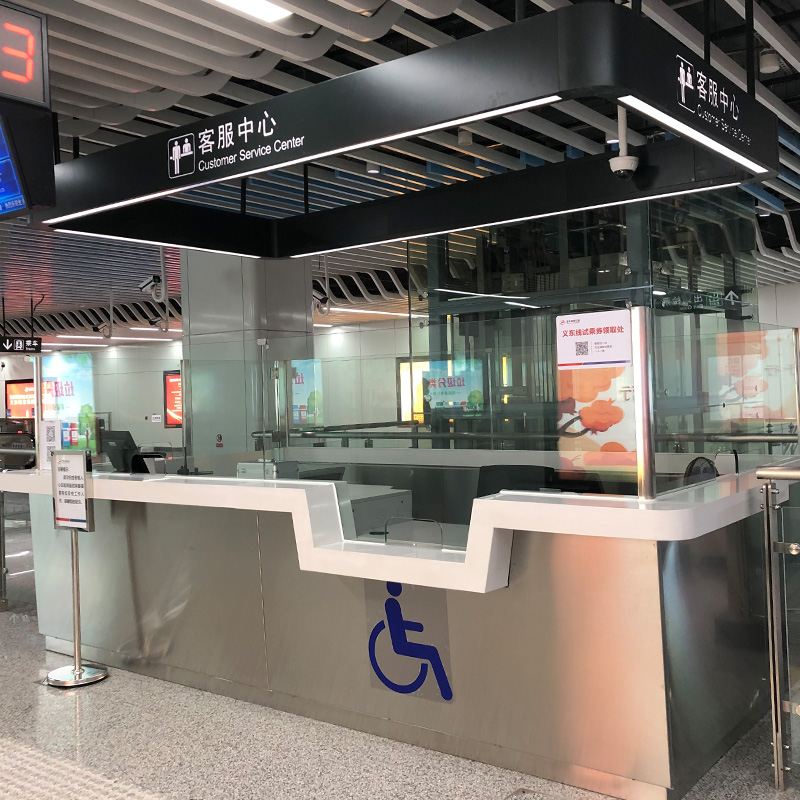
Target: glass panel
{"points": [[789, 531], [457, 394], [724, 385]]}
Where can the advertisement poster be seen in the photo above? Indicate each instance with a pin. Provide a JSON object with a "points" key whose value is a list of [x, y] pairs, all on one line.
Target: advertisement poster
{"points": [[453, 384], [20, 399], [68, 398], [173, 400], [751, 377], [307, 392], [598, 340]]}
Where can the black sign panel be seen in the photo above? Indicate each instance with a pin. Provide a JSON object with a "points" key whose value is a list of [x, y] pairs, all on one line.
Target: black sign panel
{"points": [[20, 344], [586, 49]]}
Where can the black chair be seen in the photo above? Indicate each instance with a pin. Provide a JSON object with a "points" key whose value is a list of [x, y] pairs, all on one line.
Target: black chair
{"points": [[513, 477]]}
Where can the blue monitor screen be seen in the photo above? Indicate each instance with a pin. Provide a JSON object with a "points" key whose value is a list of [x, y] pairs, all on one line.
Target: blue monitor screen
{"points": [[12, 196]]}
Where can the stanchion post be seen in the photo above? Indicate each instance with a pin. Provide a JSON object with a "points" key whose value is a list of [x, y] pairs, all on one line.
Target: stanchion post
{"points": [[3, 567], [73, 510]]}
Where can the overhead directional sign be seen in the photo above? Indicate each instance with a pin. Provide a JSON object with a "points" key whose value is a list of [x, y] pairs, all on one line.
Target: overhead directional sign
{"points": [[535, 62], [20, 344]]}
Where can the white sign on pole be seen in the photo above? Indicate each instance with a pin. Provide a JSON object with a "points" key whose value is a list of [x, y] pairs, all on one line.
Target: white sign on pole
{"points": [[71, 508], [589, 341]]}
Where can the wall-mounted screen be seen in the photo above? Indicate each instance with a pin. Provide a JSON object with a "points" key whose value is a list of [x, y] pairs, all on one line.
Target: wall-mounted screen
{"points": [[173, 399], [20, 399], [13, 201], [23, 55]]}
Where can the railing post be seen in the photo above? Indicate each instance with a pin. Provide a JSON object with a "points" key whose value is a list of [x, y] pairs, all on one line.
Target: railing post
{"points": [[775, 623], [796, 348], [642, 353]]}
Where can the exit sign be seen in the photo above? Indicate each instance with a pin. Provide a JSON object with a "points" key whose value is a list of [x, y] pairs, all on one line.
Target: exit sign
{"points": [[20, 344], [23, 55]]}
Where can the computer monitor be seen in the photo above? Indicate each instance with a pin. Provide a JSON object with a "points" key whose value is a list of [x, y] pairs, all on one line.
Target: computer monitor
{"points": [[120, 449]]}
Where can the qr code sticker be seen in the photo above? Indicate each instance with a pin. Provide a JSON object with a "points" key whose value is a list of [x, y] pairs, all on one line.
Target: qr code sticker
{"points": [[581, 348], [50, 435]]}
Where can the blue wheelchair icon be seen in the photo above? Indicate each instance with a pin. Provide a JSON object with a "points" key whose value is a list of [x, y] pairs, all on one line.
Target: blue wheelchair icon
{"points": [[398, 629]]}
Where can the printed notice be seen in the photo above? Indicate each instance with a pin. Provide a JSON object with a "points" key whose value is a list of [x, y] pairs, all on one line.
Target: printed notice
{"points": [[588, 341], [69, 489]]}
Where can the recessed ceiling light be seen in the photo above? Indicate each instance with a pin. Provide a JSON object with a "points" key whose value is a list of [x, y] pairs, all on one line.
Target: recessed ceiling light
{"points": [[258, 9]]}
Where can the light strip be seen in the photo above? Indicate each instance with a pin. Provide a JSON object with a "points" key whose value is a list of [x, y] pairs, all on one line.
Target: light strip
{"points": [[481, 294], [659, 293], [686, 130], [322, 325], [118, 338], [521, 305], [542, 101], [76, 344], [518, 219], [150, 241], [258, 9], [153, 327], [384, 313], [17, 555], [24, 572]]}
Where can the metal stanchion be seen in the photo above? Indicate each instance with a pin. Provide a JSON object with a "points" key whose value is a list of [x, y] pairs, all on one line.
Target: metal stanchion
{"points": [[3, 567], [73, 510]]}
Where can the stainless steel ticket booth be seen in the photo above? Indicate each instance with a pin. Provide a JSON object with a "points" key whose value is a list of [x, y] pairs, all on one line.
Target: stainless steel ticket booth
{"points": [[518, 521]]}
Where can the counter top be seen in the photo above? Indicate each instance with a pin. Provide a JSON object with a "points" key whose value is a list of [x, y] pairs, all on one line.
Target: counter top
{"points": [[317, 513]]}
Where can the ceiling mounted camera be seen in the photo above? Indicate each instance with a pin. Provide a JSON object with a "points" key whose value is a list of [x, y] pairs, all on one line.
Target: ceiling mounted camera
{"points": [[623, 167], [150, 283]]}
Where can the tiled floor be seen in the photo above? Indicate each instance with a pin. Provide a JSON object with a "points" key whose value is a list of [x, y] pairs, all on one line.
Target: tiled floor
{"points": [[136, 738]]}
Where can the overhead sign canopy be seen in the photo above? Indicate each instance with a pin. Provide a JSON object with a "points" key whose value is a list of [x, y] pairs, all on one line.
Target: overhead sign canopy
{"points": [[583, 50]]}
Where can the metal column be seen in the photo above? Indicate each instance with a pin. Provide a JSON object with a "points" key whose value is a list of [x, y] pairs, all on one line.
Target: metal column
{"points": [[641, 336], [3, 568]]}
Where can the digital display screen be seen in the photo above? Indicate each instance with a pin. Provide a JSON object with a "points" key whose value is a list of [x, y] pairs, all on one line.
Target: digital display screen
{"points": [[173, 400], [23, 52], [12, 195], [20, 399]]}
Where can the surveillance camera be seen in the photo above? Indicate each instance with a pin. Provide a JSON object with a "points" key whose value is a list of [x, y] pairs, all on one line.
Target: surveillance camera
{"points": [[623, 167], [149, 284]]}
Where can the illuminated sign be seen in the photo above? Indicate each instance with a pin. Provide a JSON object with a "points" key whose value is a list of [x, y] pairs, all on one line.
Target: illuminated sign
{"points": [[23, 55], [173, 400], [20, 399]]}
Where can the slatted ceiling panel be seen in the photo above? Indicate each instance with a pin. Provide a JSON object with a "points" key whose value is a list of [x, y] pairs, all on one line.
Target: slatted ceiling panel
{"points": [[123, 69], [58, 270]]}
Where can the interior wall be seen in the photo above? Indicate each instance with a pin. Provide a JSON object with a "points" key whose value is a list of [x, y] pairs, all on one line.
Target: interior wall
{"points": [[779, 305], [359, 368], [128, 383]]}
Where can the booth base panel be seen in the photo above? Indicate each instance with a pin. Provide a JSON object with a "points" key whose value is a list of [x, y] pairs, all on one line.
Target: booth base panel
{"points": [[570, 774], [565, 674]]}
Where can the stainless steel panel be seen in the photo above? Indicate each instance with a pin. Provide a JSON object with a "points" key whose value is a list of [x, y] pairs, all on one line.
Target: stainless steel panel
{"points": [[565, 665], [165, 584], [716, 646]]}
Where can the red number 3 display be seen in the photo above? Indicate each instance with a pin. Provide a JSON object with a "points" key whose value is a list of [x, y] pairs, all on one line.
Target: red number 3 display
{"points": [[26, 55]]}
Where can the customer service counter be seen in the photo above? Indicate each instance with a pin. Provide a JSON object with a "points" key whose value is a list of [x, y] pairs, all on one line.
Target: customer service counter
{"points": [[610, 643]]}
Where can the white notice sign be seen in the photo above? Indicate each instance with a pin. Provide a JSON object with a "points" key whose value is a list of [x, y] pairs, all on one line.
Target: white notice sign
{"points": [[70, 506], [588, 341]]}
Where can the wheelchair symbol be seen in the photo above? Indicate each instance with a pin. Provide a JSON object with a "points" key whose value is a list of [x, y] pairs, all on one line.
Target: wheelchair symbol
{"points": [[427, 654]]}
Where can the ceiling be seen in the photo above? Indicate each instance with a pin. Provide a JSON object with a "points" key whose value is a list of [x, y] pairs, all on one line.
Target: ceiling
{"points": [[126, 69]]}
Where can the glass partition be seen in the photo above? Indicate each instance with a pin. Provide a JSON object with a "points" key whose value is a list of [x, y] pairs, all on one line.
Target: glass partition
{"points": [[724, 384]]}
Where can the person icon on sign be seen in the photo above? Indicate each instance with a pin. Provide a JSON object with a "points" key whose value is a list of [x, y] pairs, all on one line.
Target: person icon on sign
{"points": [[187, 148], [175, 157], [399, 628]]}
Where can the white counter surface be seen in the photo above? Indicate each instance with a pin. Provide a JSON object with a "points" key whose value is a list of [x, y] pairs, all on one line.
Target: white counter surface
{"points": [[483, 567]]}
